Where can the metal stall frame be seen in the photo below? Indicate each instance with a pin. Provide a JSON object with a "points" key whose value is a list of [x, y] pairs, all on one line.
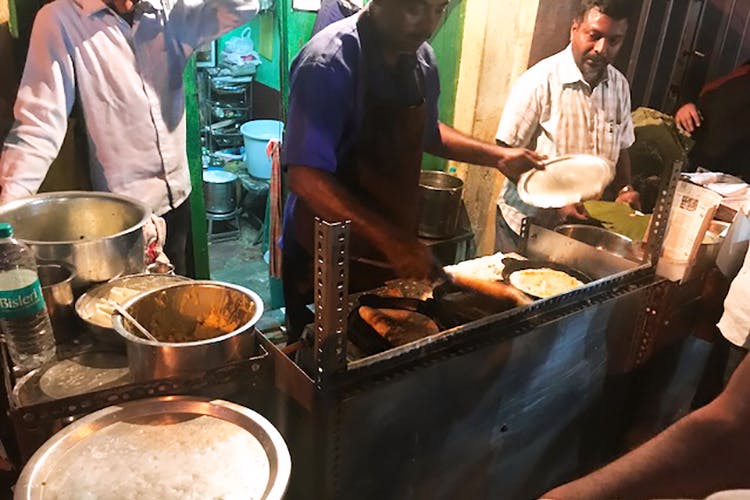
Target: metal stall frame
{"points": [[391, 425]]}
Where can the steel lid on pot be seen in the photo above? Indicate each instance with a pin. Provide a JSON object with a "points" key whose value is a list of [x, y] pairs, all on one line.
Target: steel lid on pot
{"points": [[172, 447]]}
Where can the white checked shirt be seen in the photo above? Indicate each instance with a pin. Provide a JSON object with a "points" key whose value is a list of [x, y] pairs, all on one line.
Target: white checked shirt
{"points": [[552, 110], [129, 84]]}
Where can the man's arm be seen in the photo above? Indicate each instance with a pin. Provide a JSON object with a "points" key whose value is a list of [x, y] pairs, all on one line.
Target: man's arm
{"points": [[621, 186], [454, 145], [44, 101], [703, 453], [198, 23], [332, 201]]}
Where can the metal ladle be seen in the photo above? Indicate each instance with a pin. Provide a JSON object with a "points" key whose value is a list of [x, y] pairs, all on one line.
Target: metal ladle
{"points": [[125, 314]]}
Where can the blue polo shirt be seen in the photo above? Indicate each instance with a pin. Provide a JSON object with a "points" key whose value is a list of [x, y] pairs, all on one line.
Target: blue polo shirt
{"points": [[328, 82]]}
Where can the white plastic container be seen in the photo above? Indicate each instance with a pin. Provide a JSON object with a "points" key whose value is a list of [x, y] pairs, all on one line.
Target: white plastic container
{"points": [[256, 134]]}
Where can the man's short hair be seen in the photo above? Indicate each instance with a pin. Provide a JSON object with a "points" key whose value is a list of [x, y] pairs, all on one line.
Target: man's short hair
{"points": [[616, 9]]}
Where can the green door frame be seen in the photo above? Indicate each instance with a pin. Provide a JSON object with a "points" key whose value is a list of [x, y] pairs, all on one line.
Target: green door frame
{"points": [[195, 164]]}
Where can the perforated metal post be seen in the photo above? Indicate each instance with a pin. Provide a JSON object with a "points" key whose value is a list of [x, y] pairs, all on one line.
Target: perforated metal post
{"points": [[660, 217], [331, 268]]}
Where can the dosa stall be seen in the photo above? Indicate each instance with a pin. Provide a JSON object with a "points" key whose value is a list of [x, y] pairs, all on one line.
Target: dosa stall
{"points": [[507, 376]]}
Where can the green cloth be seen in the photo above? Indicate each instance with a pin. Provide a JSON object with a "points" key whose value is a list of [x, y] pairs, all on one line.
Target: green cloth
{"points": [[619, 217]]}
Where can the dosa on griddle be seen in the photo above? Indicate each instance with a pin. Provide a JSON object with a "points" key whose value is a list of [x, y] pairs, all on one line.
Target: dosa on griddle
{"points": [[543, 282], [398, 326]]}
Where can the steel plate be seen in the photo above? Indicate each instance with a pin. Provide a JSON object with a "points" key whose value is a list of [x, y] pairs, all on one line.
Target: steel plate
{"points": [[155, 411], [565, 180]]}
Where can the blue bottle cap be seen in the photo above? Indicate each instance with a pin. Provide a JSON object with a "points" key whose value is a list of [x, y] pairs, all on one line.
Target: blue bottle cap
{"points": [[6, 230]]}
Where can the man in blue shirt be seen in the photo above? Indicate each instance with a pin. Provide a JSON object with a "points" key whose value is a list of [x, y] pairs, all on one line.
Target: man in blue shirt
{"points": [[362, 110]]}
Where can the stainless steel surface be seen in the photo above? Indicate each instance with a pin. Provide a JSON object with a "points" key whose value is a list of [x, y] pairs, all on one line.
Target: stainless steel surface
{"points": [[220, 195], [99, 234], [604, 240], [86, 372], [201, 324], [555, 247], [439, 204], [331, 271], [530, 384], [57, 289], [103, 331], [156, 411]]}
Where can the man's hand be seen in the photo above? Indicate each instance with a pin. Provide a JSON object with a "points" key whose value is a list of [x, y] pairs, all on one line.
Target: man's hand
{"points": [[631, 197], [573, 212], [516, 161], [411, 259], [688, 118]]}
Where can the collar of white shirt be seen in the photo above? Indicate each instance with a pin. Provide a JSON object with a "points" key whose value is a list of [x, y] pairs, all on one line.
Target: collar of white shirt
{"points": [[569, 71]]}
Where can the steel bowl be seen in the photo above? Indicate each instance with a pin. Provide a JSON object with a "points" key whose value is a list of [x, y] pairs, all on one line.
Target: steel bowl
{"points": [[99, 234], [198, 325], [101, 328], [607, 241]]}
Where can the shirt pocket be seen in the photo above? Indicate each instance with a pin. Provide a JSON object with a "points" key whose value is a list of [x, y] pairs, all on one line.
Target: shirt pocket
{"points": [[609, 131]]}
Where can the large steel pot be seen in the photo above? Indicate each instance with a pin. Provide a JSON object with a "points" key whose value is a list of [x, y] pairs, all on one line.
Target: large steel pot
{"points": [[220, 191], [184, 318], [99, 234], [439, 204]]}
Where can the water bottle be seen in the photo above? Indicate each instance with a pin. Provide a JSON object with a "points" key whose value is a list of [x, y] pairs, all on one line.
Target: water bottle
{"points": [[24, 321]]}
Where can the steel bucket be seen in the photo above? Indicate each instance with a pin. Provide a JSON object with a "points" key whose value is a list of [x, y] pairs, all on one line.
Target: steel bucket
{"points": [[220, 191], [439, 204], [99, 234]]}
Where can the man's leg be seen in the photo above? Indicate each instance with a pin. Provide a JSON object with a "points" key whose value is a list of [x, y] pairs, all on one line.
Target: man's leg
{"points": [[506, 240], [298, 291], [178, 229]]}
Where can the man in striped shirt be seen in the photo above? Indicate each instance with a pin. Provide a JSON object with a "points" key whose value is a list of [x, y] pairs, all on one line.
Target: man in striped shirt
{"points": [[574, 102]]}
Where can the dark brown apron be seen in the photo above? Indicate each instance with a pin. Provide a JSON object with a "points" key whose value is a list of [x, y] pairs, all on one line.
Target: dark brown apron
{"points": [[383, 173]]}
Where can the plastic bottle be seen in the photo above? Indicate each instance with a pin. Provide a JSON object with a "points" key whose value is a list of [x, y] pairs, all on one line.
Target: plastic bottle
{"points": [[24, 321]]}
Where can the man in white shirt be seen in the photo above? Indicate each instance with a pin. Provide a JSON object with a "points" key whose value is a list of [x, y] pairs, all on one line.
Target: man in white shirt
{"points": [[123, 61], [571, 103]]}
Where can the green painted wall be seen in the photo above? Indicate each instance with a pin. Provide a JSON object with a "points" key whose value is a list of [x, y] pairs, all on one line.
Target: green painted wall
{"points": [[447, 43]]}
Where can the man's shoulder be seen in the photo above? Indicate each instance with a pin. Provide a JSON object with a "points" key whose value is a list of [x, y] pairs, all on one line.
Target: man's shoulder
{"points": [[544, 70], [336, 48], [618, 78]]}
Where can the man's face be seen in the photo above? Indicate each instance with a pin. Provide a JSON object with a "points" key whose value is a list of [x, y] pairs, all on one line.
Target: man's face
{"points": [[407, 24], [596, 39]]}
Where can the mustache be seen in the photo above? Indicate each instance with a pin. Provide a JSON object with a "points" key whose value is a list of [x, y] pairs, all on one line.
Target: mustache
{"points": [[597, 60]]}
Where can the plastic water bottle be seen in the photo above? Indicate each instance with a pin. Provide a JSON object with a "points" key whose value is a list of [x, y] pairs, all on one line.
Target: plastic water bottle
{"points": [[24, 321]]}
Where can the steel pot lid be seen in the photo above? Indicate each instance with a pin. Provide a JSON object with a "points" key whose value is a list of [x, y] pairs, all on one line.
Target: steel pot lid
{"points": [[171, 447], [565, 180], [218, 176]]}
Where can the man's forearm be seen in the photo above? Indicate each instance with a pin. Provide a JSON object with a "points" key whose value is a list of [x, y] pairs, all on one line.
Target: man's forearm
{"points": [[322, 192], [623, 169], [703, 453], [692, 459], [454, 145]]}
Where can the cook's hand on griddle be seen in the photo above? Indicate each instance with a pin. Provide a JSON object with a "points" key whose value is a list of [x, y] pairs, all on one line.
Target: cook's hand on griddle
{"points": [[516, 161], [573, 212], [412, 259]]}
